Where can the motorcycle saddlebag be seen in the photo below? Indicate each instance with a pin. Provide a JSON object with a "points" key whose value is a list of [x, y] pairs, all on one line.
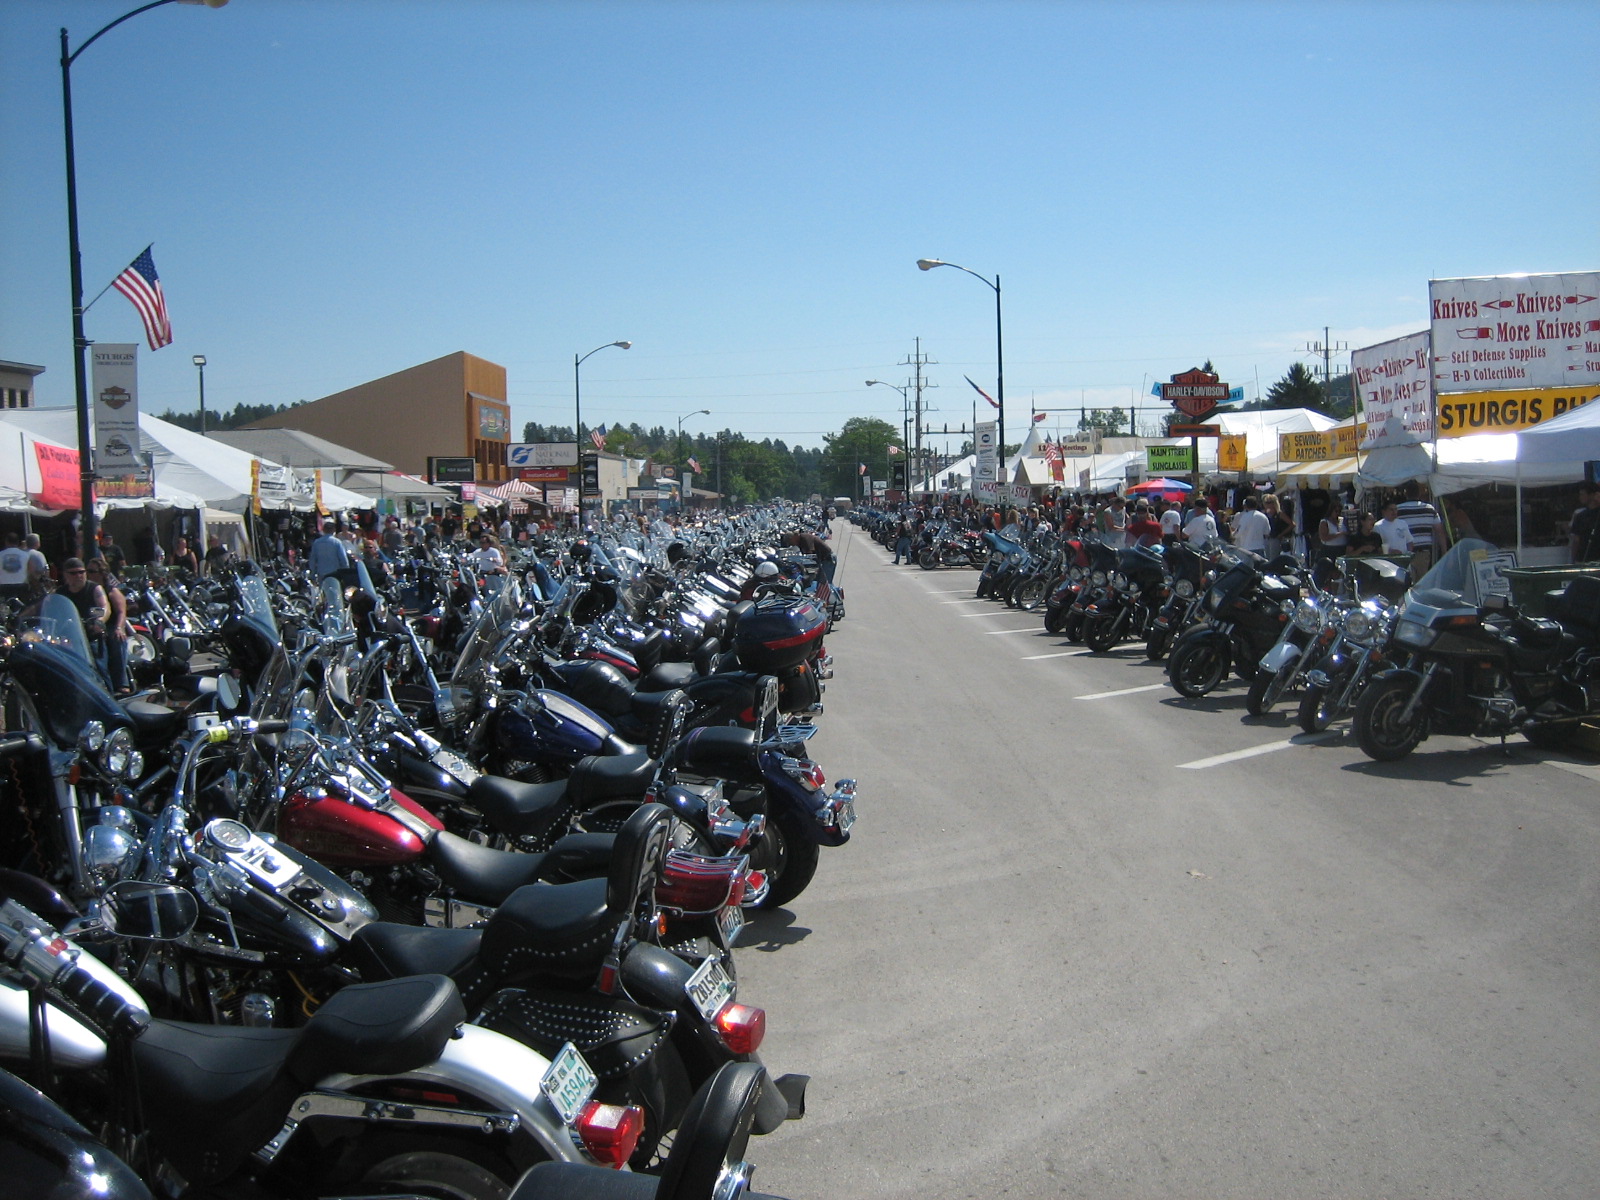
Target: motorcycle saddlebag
{"points": [[778, 634]]}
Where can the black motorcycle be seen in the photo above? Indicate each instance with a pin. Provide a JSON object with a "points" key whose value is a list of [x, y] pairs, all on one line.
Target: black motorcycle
{"points": [[1245, 608]]}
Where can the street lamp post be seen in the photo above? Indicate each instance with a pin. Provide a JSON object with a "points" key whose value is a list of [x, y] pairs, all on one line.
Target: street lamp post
{"points": [[80, 342], [905, 417], [928, 264], [200, 362], [577, 410], [683, 500]]}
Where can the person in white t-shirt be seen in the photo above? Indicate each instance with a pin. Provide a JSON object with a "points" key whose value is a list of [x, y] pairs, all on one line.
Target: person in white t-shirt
{"points": [[1251, 527], [1171, 522], [487, 557], [1201, 527], [1396, 534]]}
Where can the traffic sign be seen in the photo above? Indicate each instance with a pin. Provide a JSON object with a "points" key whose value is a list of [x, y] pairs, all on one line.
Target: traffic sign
{"points": [[1177, 430]]}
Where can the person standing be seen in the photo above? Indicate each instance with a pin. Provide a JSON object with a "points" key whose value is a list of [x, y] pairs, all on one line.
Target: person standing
{"points": [[13, 569], [115, 643], [1281, 528], [1201, 527], [1251, 528], [1143, 529], [1331, 536], [902, 540], [327, 555], [184, 557], [90, 601], [1112, 521]]}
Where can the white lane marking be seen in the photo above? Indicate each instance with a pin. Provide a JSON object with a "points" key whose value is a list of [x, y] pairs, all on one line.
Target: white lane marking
{"points": [[1059, 654], [1149, 687], [992, 632], [1299, 739], [947, 591], [997, 612], [968, 600]]}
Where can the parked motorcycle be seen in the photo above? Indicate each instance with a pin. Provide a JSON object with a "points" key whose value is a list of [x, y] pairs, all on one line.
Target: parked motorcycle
{"points": [[1245, 610]]}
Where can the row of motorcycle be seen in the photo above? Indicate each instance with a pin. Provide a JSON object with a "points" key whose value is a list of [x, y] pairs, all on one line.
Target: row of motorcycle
{"points": [[425, 886], [1355, 637]]}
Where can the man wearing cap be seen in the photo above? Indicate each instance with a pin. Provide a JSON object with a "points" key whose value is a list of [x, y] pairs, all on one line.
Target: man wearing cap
{"points": [[1201, 527]]}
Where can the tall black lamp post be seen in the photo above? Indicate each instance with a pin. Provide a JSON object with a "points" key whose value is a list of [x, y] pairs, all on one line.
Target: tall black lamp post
{"points": [[199, 361], [928, 264], [577, 410], [80, 343]]}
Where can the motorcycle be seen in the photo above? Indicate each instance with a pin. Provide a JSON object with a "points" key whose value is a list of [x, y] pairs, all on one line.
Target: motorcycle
{"points": [[1310, 630], [1360, 649], [1246, 608], [1126, 606], [1483, 669]]}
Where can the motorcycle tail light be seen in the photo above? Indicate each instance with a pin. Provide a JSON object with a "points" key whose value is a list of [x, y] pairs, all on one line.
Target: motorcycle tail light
{"points": [[691, 883], [610, 1132], [742, 1027]]}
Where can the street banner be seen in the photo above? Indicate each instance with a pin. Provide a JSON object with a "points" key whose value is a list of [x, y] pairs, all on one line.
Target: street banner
{"points": [[1391, 383], [1463, 413], [1342, 441], [1503, 332], [117, 459], [985, 469], [322, 509], [255, 486], [541, 454], [59, 478]]}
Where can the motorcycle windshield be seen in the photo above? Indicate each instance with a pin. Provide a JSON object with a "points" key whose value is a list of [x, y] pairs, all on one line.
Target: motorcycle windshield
{"points": [[255, 605], [275, 689], [1456, 569], [488, 631], [58, 624]]}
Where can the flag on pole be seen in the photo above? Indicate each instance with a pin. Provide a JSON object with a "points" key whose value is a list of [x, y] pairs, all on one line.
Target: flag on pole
{"points": [[893, 450], [863, 469], [1037, 417], [694, 464], [140, 284], [993, 403], [598, 437], [1052, 452]]}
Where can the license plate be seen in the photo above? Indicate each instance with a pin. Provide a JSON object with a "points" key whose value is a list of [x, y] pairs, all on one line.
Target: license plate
{"points": [[568, 1083], [730, 921], [709, 988], [847, 816]]}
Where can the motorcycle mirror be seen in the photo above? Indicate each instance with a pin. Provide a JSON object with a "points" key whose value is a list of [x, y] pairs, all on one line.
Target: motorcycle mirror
{"points": [[228, 693], [1494, 602], [155, 912], [179, 650]]}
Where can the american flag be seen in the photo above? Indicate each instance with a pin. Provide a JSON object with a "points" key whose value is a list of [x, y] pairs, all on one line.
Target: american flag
{"points": [[140, 284], [863, 469], [598, 437], [1052, 452], [894, 450], [694, 464]]}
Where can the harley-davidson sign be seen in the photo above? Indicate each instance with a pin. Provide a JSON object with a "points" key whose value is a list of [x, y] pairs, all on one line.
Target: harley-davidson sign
{"points": [[1194, 392]]}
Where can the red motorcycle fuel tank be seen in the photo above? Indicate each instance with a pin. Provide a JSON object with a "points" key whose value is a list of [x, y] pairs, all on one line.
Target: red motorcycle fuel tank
{"points": [[341, 834]]}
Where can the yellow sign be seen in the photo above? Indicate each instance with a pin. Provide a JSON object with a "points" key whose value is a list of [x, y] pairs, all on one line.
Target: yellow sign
{"points": [[1347, 439], [1232, 454], [1462, 413], [255, 486], [1339, 442]]}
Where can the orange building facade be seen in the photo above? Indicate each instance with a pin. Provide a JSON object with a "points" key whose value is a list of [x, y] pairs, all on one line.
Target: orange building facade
{"points": [[452, 406]]}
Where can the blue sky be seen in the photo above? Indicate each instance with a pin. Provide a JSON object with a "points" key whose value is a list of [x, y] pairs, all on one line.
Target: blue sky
{"points": [[338, 189]]}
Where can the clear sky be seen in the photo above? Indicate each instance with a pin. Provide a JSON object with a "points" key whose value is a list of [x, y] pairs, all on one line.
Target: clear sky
{"points": [[339, 189]]}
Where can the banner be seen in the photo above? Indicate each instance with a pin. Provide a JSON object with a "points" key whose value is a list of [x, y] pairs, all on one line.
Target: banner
{"points": [[1507, 412], [116, 408], [1391, 385], [1233, 453], [255, 486], [322, 509], [985, 470], [1515, 331], [1168, 460], [59, 482]]}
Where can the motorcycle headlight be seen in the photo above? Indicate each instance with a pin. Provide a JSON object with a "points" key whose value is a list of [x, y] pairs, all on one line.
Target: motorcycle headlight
{"points": [[1287, 607], [1359, 626], [1117, 580], [1184, 588], [92, 737], [1098, 579], [119, 755], [1307, 617], [1415, 633], [1075, 574]]}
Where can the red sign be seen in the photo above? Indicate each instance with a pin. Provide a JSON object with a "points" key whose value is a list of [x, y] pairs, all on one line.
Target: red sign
{"points": [[543, 474], [1194, 392], [58, 476]]}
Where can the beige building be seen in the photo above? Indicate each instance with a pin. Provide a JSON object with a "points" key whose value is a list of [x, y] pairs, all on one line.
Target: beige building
{"points": [[453, 406], [16, 384]]}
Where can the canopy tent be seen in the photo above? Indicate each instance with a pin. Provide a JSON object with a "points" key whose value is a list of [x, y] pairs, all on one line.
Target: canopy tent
{"points": [[40, 474], [397, 484], [205, 472], [1469, 462], [1573, 437]]}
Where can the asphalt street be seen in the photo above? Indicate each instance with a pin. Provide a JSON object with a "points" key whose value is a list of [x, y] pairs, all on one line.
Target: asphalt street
{"points": [[1090, 939]]}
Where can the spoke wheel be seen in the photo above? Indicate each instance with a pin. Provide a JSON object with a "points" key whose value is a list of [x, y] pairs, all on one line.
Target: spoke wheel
{"points": [[1316, 709], [1267, 689], [1380, 731], [1031, 593]]}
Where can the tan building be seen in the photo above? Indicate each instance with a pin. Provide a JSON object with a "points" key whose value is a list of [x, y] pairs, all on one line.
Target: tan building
{"points": [[452, 406]]}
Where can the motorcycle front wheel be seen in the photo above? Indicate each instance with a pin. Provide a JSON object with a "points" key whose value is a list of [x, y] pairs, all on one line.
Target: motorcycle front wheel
{"points": [[1380, 731], [1055, 618], [1072, 625], [927, 559], [1316, 709], [1100, 633], [1031, 592], [1197, 667], [1155, 646], [1267, 689]]}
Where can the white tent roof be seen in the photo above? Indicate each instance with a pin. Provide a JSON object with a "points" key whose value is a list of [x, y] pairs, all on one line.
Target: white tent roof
{"points": [[1572, 437], [210, 473]]}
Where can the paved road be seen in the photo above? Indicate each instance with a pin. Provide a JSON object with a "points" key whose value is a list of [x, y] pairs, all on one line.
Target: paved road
{"points": [[1093, 940]]}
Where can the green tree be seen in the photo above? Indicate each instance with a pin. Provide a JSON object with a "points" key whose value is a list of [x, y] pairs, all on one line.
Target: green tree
{"points": [[862, 440], [1109, 421], [240, 416], [1297, 389]]}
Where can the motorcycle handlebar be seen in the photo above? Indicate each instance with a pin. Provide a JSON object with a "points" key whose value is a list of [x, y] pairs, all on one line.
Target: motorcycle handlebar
{"points": [[30, 947]]}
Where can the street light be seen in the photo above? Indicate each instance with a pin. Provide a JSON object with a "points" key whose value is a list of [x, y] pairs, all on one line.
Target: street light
{"points": [[905, 410], [699, 412], [928, 264], [577, 409], [80, 343], [199, 360]]}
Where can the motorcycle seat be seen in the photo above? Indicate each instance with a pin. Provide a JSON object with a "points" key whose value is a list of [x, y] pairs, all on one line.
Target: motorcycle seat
{"points": [[610, 777], [518, 808], [153, 722], [665, 676], [482, 874], [386, 950], [718, 746], [614, 1034], [383, 1028]]}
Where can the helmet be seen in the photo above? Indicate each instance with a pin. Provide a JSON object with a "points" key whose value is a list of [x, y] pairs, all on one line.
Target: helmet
{"points": [[767, 570]]}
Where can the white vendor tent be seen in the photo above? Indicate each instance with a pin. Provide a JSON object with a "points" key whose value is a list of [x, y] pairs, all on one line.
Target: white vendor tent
{"points": [[207, 473]]}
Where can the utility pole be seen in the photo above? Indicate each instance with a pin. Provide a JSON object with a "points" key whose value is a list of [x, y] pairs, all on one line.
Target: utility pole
{"points": [[917, 361], [1327, 348]]}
